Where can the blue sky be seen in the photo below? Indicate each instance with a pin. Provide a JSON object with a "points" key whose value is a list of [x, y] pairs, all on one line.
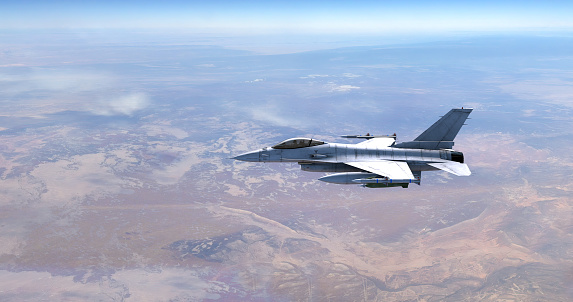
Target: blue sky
{"points": [[292, 16]]}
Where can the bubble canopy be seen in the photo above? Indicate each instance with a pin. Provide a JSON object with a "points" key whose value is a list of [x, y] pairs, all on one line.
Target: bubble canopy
{"points": [[298, 142]]}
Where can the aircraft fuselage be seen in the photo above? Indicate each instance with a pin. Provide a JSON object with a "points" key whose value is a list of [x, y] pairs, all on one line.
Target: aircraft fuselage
{"points": [[330, 157]]}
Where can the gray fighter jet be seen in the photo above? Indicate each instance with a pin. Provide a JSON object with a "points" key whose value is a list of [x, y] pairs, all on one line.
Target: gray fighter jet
{"points": [[377, 162]]}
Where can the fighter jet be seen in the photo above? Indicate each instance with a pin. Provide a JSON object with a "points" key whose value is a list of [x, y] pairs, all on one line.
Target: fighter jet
{"points": [[377, 162]]}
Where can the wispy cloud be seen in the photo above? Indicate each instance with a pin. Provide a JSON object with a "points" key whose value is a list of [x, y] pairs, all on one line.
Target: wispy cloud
{"points": [[96, 92], [271, 114], [350, 75], [123, 105], [61, 80], [313, 76], [341, 88], [167, 284]]}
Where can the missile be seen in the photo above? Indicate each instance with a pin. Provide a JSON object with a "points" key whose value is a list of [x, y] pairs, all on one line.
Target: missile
{"points": [[368, 136]]}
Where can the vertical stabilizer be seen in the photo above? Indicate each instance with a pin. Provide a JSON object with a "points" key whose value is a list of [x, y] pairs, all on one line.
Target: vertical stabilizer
{"points": [[442, 133], [446, 128]]}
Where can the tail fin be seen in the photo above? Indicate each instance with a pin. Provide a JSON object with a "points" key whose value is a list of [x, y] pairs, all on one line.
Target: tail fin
{"points": [[442, 133]]}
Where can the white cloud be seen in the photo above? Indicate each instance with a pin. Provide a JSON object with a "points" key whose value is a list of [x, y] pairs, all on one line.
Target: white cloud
{"points": [[341, 88], [271, 115], [350, 75], [123, 105], [66, 81], [65, 89], [279, 114], [313, 76], [137, 284]]}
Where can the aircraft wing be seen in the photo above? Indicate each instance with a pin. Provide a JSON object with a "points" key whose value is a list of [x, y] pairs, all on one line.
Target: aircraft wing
{"points": [[390, 169], [379, 142], [453, 167]]}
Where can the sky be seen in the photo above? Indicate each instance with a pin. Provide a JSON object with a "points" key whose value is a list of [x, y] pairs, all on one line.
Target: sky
{"points": [[292, 16]]}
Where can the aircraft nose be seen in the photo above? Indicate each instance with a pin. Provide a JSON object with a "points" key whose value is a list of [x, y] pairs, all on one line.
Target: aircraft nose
{"points": [[249, 156]]}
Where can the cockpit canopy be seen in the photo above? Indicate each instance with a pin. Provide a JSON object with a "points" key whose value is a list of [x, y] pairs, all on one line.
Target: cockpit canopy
{"points": [[298, 142]]}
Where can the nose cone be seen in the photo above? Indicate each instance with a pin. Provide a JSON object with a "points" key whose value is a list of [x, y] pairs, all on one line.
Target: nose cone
{"points": [[249, 156]]}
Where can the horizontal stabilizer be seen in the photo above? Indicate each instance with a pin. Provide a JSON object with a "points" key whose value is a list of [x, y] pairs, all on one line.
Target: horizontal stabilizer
{"points": [[453, 167]]}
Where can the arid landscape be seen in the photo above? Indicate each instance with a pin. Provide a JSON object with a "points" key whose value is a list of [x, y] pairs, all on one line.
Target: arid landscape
{"points": [[116, 182]]}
